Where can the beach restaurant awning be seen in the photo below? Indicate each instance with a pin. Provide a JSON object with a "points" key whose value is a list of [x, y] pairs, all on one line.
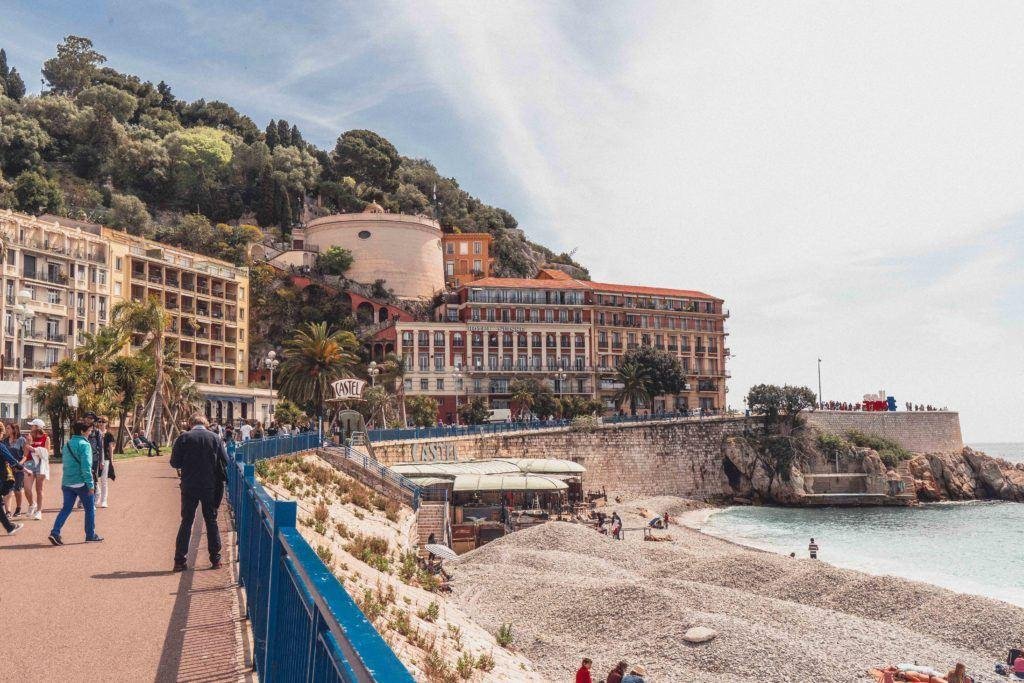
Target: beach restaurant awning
{"points": [[453, 469], [431, 481], [546, 466], [507, 482]]}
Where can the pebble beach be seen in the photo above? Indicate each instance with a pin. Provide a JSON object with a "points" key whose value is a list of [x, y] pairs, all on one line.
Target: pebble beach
{"points": [[570, 593]]}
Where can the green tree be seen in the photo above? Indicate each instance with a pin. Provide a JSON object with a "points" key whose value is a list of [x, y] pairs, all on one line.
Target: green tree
{"points": [[74, 67], [131, 375], [314, 358], [421, 410], [128, 213], [766, 400], [287, 413], [35, 194], [22, 144], [147, 322], [526, 393], [120, 104], [663, 370], [334, 261], [545, 405], [199, 158], [367, 157], [635, 385], [10, 80], [270, 136], [474, 411]]}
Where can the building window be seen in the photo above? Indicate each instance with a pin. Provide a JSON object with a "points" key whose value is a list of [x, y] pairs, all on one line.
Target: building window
{"points": [[478, 266], [457, 339], [438, 338], [117, 263], [477, 249], [424, 385], [439, 362], [440, 384], [463, 248], [449, 248], [449, 268], [364, 234], [408, 384]]}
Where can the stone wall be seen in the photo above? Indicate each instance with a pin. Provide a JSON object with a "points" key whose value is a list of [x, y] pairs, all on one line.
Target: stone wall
{"points": [[920, 432], [659, 458]]}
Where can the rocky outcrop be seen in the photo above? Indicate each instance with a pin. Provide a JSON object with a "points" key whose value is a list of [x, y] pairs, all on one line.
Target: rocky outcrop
{"points": [[965, 475]]}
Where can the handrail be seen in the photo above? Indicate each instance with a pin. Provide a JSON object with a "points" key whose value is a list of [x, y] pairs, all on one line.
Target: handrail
{"points": [[449, 431], [306, 627], [378, 469]]}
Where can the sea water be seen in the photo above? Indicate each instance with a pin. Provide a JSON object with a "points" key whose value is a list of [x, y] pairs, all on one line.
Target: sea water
{"points": [[971, 547]]}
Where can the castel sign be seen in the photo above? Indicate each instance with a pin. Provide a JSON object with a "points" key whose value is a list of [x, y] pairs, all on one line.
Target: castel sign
{"points": [[348, 388]]}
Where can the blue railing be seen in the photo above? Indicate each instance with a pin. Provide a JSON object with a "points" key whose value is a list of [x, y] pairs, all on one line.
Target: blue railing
{"points": [[374, 468], [305, 625], [258, 449], [499, 427]]}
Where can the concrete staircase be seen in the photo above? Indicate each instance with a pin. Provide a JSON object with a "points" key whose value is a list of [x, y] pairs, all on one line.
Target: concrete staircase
{"points": [[432, 518]]}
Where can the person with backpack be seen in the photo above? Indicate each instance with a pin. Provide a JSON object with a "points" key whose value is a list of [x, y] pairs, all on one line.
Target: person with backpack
{"points": [[9, 465], [77, 484]]}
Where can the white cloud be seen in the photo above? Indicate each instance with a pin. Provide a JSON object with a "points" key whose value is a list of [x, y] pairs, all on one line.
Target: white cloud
{"points": [[796, 159]]}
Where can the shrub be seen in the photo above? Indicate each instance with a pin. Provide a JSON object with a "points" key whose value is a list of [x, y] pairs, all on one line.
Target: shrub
{"points": [[325, 554], [465, 666], [343, 530], [373, 550], [431, 613], [434, 666], [485, 662], [505, 636], [408, 568], [321, 513], [891, 453]]}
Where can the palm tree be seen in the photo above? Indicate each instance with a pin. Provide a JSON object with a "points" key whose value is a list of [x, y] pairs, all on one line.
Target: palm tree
{"points": [[96, 353], [183, 397], [635, 382], [314, 358], [131, 376], [524, 394], [149, 320]]}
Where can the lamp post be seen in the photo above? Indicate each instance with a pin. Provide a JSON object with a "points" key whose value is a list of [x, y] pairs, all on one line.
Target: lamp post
{"points": [[561, 376], [457, 378], [372, 370], [820, 399], [25, 316], [270, 363]]}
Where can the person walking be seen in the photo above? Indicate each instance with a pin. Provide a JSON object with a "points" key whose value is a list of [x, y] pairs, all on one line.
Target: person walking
{"points": [[246, 431], [15, 443], [200, 456], [39, 452], [9, 465], [812, 548], [77, 484]]}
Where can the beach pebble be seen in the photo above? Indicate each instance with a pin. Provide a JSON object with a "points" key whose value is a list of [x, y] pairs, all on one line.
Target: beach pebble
{"points": [[699, 634]]}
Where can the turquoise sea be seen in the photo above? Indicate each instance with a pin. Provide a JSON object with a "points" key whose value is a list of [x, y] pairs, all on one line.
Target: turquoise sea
{"points": [[967, 547]]}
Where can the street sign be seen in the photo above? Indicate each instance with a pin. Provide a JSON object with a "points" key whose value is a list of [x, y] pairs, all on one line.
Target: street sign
{"points": [[348, 388]]}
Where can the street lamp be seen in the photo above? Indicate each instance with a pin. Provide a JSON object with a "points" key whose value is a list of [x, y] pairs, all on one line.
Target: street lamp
{"points": [[457, 378], [270, 363], [561, 376], [372, 370], [25, 316]]}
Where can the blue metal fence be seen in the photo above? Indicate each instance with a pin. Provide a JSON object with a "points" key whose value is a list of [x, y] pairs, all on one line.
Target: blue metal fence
{"points": [[498, 427], [373, 467], [305, 625], [259, 449]]}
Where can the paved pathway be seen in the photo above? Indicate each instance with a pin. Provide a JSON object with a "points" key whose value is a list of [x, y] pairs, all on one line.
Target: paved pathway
{"points": [[114, 611]]}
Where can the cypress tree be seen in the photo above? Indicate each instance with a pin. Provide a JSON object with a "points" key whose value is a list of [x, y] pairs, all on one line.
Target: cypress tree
{"points": [[297, 140], [284, 132], [273, 140], [15, 86]]}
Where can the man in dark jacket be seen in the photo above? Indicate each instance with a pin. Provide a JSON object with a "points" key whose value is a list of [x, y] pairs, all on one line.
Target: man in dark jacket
{"points": [[200, 456]]}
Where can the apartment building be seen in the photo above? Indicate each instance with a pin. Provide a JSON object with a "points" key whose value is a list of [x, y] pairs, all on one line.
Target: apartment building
{"points": [[570, 334], [58, 271], [207, 300], [467, 257]]}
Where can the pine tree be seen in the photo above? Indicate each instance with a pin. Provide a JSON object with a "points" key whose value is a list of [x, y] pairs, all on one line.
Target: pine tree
{"points": [[284, 132], [167, 98], [272, 137], [3, 66], [15, 86], [296, 137]]}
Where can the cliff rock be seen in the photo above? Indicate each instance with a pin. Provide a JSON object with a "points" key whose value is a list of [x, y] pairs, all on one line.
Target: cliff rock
{"points": [[965, 475]]}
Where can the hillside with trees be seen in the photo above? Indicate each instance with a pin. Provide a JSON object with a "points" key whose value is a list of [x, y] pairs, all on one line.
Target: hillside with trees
{"points": [[106, 146]]}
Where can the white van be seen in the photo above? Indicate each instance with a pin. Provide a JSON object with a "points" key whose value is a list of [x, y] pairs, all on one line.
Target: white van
{"points": [[499, 415]]}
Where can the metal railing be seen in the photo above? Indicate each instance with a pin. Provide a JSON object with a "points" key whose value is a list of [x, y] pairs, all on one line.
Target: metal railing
{"points": [[259, 449], [305, 625], [381, 473], [461, 430]]}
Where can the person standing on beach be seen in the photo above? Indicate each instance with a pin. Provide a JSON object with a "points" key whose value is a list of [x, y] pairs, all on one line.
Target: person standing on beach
{"points": [[201, 457], [583, 673], [812, 548]]}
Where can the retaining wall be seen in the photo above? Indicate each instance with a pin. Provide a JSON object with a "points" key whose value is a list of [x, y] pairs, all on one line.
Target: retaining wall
{"points": [[921, 432]]}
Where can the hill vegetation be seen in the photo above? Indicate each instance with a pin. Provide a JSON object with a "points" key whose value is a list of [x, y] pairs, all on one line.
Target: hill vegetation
{"points": [[106, 146]]}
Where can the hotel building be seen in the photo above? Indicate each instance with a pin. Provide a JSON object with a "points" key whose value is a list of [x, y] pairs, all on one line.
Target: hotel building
{"points": [[570, 334], [467, 257]]}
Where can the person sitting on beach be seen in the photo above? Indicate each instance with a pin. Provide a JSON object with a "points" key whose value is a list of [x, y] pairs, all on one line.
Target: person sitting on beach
{"points": [[1018, 666], [583, 673], [616, 674], [959, 675], [656, 523], [635, 675], [812, 548]]}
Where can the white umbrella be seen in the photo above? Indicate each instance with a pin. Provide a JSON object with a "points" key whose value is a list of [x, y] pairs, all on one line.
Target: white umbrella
{"points": [[442, 551]]}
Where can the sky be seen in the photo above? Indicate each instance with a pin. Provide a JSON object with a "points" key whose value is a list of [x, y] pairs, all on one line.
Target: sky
{"points": [[849, 177]]}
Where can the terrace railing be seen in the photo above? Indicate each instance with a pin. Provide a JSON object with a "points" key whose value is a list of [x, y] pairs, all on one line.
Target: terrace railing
{"points": [[305, 625], [271, 447]]}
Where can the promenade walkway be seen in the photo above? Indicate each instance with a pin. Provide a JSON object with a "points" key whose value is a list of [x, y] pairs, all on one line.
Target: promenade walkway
{"points": [[114, 611]]}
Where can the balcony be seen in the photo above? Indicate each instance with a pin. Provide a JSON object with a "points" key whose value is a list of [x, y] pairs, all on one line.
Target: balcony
{"points": [[97, 257], [44, 276], [138, 275], [60, 338]]}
